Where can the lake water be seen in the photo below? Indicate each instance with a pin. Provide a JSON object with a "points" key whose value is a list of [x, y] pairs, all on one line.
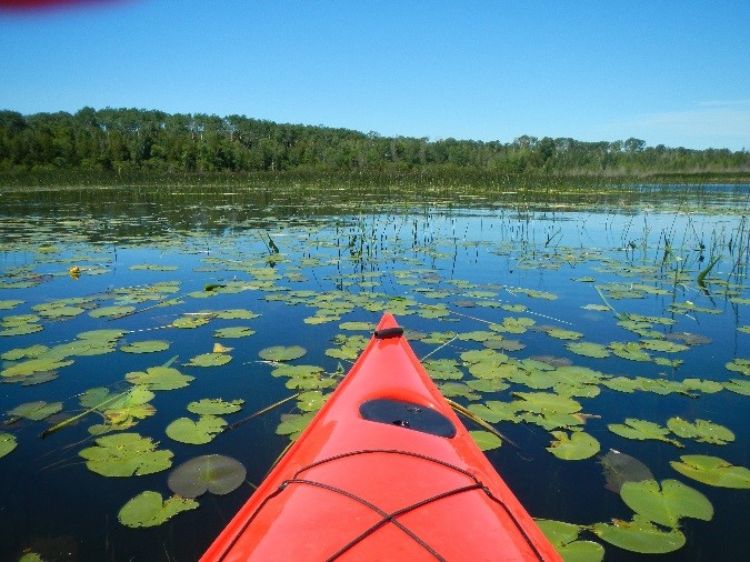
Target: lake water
{"points": [[665, 268]]}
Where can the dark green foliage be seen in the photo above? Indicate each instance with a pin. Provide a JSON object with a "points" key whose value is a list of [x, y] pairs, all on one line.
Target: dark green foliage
{"points": [[128, 141]]}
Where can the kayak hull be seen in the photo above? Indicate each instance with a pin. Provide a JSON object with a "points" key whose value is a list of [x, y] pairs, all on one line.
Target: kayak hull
{"points": [[385, 471]]}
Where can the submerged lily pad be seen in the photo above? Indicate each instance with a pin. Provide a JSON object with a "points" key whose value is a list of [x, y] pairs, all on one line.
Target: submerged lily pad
{"points": [[148, 346], [197, 432], [639, 535], [713, 471], [620, 468], [149, 509], [666, 504], [216, 474], [8, 442], [577, 446], [282, 353], [126, 454]]}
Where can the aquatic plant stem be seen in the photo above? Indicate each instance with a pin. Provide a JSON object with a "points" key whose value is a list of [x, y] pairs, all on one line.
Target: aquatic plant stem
{"points": [[262, 411], [68, 421], [479, 421]]}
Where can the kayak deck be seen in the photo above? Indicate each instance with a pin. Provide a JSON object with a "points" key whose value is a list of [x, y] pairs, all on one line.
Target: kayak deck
{"points": [[385, 471]]}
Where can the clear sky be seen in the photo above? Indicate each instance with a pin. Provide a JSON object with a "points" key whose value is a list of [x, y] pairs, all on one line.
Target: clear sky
{"points": [[674, 72]]}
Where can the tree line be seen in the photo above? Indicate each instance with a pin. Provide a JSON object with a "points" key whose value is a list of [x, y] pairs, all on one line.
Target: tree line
{"points": [[134, 140]]}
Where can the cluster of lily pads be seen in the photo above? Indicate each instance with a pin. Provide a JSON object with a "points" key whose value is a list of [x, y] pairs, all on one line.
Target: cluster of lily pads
{"points": [[484, 344]]}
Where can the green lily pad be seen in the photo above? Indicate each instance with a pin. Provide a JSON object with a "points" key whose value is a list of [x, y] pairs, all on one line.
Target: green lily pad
{"points": [[126, 454], [561, 334], [293, 424], [159, 378], [357, 326], [31, 366], [663, 346], [235, 314], [443, 369], [111, 311], [310, 401], [588, 349], [21, 329], [215, 406], [739, 365], [190, 322], [702, 431], [198, 432], [234, 332], [282, 353], [738, 386], [31, 352], [667, 504], [577, 446], [563, 537], [642, 430], [101, 335], [8, 442], [713, 471], [148, 346], [9, 304], [216, 474], [149, 509], [639, 535], [209, 360], [36, 411], [545, 403], [700, 385], [485, 440], [630, 350]]}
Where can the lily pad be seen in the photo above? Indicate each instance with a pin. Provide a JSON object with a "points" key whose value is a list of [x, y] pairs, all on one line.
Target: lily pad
{"points": [[293, 424], [8, 442], [215, 406], [126, 454], [36, 411], [666, 504], [149, 509], [148, 346], [159, 378], [563, 537], [282, 353], [31, 352], [713, 471], [197, 432], [209, 360], [234, 332], [639, 535], [485, 440], [702, 431], [588, 349], [577, 446], [739, 365], [642, 430], [111, 311], [216, 474]]}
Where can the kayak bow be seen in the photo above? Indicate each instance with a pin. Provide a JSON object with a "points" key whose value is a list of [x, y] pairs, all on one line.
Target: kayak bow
{"points": [[385, 471]]}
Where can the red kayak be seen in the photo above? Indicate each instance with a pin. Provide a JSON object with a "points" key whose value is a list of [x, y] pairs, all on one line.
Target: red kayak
{"points": [[385, 471]]}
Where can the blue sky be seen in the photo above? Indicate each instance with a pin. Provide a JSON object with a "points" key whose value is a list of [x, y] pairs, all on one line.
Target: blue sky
{"points": [[666, 71]]}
